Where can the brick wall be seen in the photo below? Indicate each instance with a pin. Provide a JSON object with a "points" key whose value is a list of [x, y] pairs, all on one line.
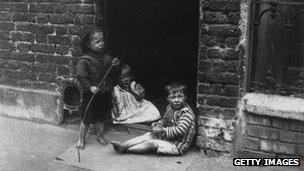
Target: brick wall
{"points": [[272, 137], [38, 40], [219, 66]]}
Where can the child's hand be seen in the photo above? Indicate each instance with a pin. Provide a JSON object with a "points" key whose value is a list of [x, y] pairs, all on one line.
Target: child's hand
{"points": [[153, 124], [157, 129], [115, 61], [94, 89]]}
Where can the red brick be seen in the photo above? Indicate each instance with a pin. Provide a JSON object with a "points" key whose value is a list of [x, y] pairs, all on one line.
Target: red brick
{"points": [[232, 42], [220, 101], [63, 70], [5, 16], [62, 60], [61, 30], [62, 50], [261, 132], [217, 112], [46, 77], [4, 44], [5, 6], [20, 75], [284, 148], [44, 68], [266, 146], [41, 29], [43, 48], [257, 119], [41, 8], [23, 17], [24, 37], [44, 86], [5, 35], [61, 19], [60, 8], [76, 52], [251, 143], [219, 66], [223, 30], [84, 20], [25, 84], [9, 74], [41, 38], [290, 136], [19, 7], [3, 64], [202, 52], [221, 5], [43, 58], [18, 65], [61, 40], [219, 53], [280, 123], [23, 26], [214, 17], [4, 54], [211, 40], [43, 18], [82, 9], [28, 57], [224, 77], [23, 47], [73, 30], [234, 17], [297, 125], [9, 26]]}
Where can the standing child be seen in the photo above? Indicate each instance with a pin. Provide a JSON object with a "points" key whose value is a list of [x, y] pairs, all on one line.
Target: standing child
{"points": [[129, 106], [172, 135], [91, 69]]}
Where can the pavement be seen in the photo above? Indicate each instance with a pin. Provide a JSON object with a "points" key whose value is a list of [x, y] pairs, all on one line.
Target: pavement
{"points": [[30, 146]]}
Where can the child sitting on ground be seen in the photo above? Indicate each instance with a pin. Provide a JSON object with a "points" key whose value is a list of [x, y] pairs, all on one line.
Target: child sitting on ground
{"points": [[128, 105], [172, 135]]}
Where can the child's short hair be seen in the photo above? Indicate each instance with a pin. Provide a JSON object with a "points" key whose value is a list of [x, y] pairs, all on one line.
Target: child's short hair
{"points": [[126, 70], [86, 35], [175, 88]]}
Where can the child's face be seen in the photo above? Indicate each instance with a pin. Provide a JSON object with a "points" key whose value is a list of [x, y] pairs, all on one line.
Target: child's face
{"points": [[177, 99], [97, 43]]}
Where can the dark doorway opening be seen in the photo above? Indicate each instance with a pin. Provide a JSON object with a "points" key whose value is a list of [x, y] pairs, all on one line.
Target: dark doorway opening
{"points": [[158, 39]]}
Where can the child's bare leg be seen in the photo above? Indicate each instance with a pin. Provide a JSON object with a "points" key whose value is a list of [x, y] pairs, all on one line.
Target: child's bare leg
{"points": [[100, 130], [137, 140], [82, 135], [130, 143], [144, 147]]}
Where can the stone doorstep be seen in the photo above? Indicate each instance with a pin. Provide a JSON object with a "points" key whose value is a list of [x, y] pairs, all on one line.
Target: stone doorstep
{"points": [[135, 129], [274, 105]]}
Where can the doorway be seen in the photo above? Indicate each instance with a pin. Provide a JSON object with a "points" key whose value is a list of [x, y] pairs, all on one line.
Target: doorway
{"points": [[158, 39]]}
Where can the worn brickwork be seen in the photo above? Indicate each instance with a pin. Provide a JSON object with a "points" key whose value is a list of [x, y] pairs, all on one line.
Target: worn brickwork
{"points": [[272, 137], [39, 42], [218, 74]]}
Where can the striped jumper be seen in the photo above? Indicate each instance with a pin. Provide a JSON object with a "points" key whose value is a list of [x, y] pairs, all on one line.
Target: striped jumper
{"points": [[180, 127]]}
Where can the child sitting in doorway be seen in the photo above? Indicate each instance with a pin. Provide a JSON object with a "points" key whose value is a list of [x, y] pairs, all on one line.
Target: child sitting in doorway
{"points": [[128, 105], [172, 135]]}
